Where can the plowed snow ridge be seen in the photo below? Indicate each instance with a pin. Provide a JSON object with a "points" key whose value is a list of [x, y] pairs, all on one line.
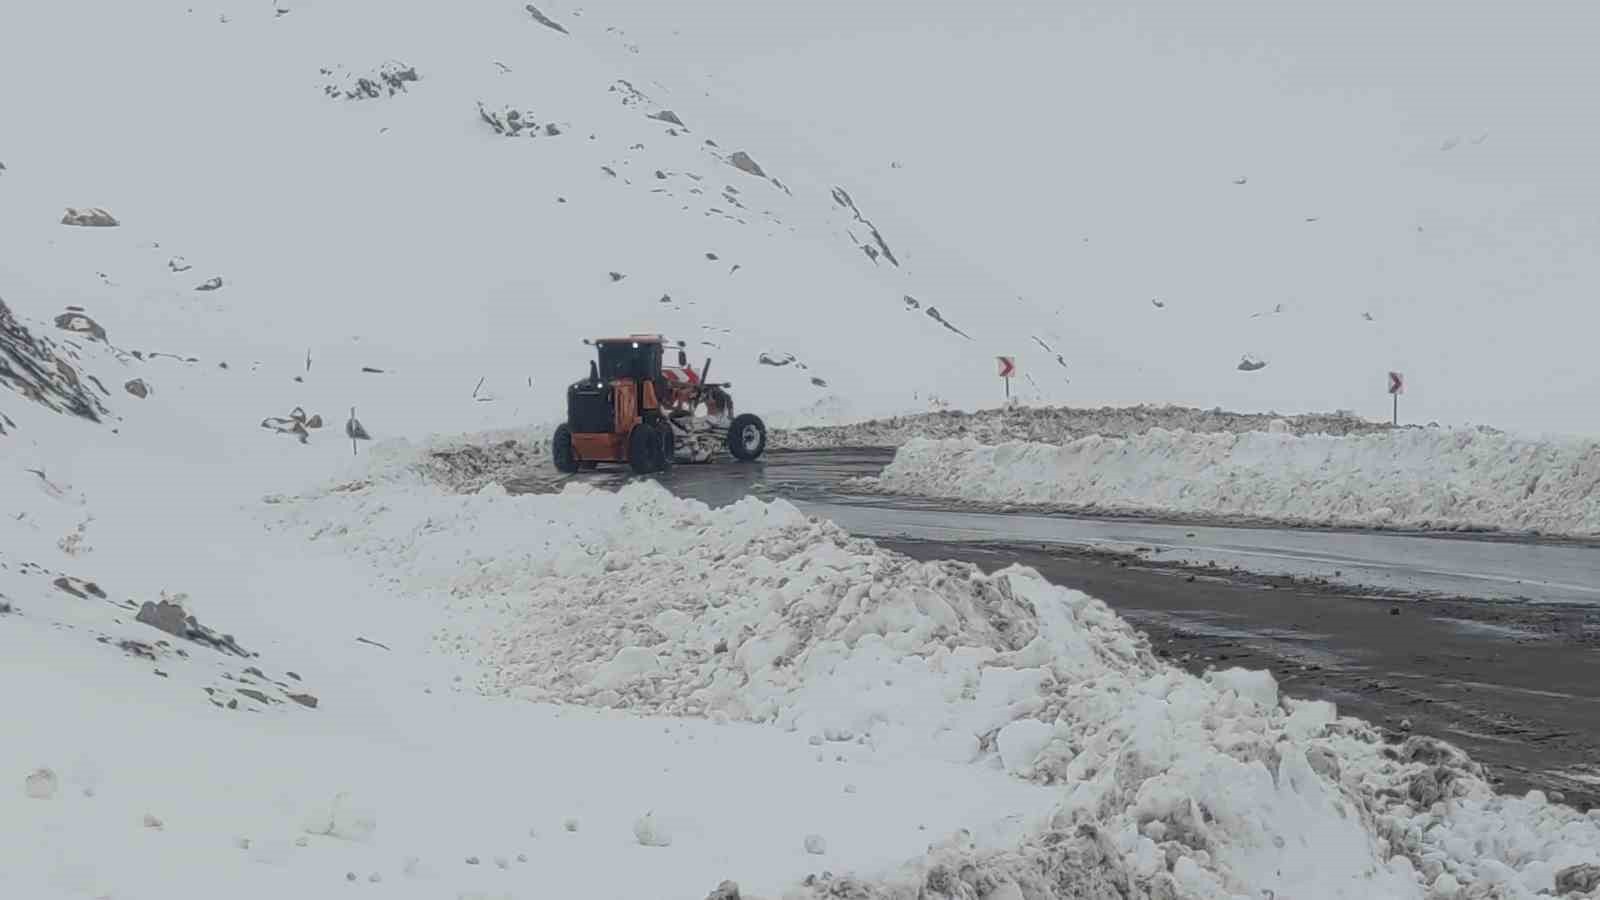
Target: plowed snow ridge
{"points": [[1058, 425], [1172, 785], [1424, 479]]}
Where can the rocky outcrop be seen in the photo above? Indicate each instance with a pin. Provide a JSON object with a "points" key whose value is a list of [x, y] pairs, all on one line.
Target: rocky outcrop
{"points": [[37, 369], [543, 19], [387, 80], [89, 217], [741, 160]]}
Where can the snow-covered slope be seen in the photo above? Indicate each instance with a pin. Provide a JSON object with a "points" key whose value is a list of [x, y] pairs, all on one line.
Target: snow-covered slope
{"points": [[452, 195], [1409, 478], [1156, 189]]}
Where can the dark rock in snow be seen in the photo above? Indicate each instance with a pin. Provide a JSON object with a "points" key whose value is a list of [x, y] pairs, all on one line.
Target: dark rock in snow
{"points": [[1583, 878], [741, 160], [32, 367], [933, 313], [769, 359], [879, 246], [389, 79], [296, 423], [617, 276], [1246, 364], [79, 323], [713, 257], [138, 388], [818, 382], [305, 700], [727, 890], [210, 284], [543, 19], [90, 217], [256, 695], [668, 116]]}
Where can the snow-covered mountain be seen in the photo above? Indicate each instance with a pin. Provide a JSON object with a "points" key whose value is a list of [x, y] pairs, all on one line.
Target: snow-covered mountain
{"points": [[1158, 190], [442, 193]]}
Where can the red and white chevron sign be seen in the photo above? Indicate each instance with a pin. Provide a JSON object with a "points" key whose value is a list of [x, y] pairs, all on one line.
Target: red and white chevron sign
{"points": [[1008, 366]]}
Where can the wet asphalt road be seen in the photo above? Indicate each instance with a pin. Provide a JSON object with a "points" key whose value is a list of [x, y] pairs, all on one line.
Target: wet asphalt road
{"points": [[1492, 644]]}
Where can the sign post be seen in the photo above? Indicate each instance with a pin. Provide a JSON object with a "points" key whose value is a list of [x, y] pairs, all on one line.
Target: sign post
{"points": [[1397, 386], [1008, 368]]}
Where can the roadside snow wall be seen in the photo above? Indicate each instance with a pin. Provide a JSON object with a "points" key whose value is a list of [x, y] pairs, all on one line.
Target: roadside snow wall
{"points": [[1415, 479], [1172, 785], [1058, 425]]}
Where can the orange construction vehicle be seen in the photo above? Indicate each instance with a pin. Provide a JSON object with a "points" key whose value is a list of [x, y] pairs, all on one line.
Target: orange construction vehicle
{"points": [[632, 409]]}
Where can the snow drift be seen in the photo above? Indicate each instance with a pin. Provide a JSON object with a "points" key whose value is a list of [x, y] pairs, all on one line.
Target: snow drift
{"points": [[1414, 478], [1058, 425], [1173, 786]]}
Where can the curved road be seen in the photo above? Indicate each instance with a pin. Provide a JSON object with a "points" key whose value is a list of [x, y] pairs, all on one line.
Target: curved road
{"points": [[1493, 644]]}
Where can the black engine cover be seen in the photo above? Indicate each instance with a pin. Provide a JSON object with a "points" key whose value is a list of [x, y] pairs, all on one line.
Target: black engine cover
{"points": [[590, 408]]}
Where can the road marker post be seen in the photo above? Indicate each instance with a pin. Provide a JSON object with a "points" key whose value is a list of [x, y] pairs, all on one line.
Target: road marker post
{"points": [[1008, 368], [1397, 386]]}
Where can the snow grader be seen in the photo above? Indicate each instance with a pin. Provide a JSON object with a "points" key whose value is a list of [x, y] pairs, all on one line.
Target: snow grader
{"points": [[632, 409]]}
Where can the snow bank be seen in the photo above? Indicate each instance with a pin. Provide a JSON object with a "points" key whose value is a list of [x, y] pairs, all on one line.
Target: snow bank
{"points": [[1056, 425], [1432, 479], [1172, 785]]}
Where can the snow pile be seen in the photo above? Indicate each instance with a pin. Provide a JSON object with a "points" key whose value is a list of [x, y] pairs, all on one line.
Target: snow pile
{"points": [[1421, 478], [1173, 785], [1058, 425]]}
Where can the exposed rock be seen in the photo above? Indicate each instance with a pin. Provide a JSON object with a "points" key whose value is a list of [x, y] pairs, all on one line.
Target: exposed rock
{"points": [[74, 320], [727, 890], [89, 217], [818, 382], [34, 369], [878, 247], [79, 588], [297, 423], [543, 19], [169, 616], [1580, 879], [933, 313], [305, 700], [617, 276], [256, 695], [667, 115], [210, 284], [741, 160], [511, 122], [770, 359], [1247, 364], [389, 79]]}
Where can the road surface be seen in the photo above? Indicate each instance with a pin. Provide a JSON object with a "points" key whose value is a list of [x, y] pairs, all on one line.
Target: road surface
{"points": [[1492, 644]]}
